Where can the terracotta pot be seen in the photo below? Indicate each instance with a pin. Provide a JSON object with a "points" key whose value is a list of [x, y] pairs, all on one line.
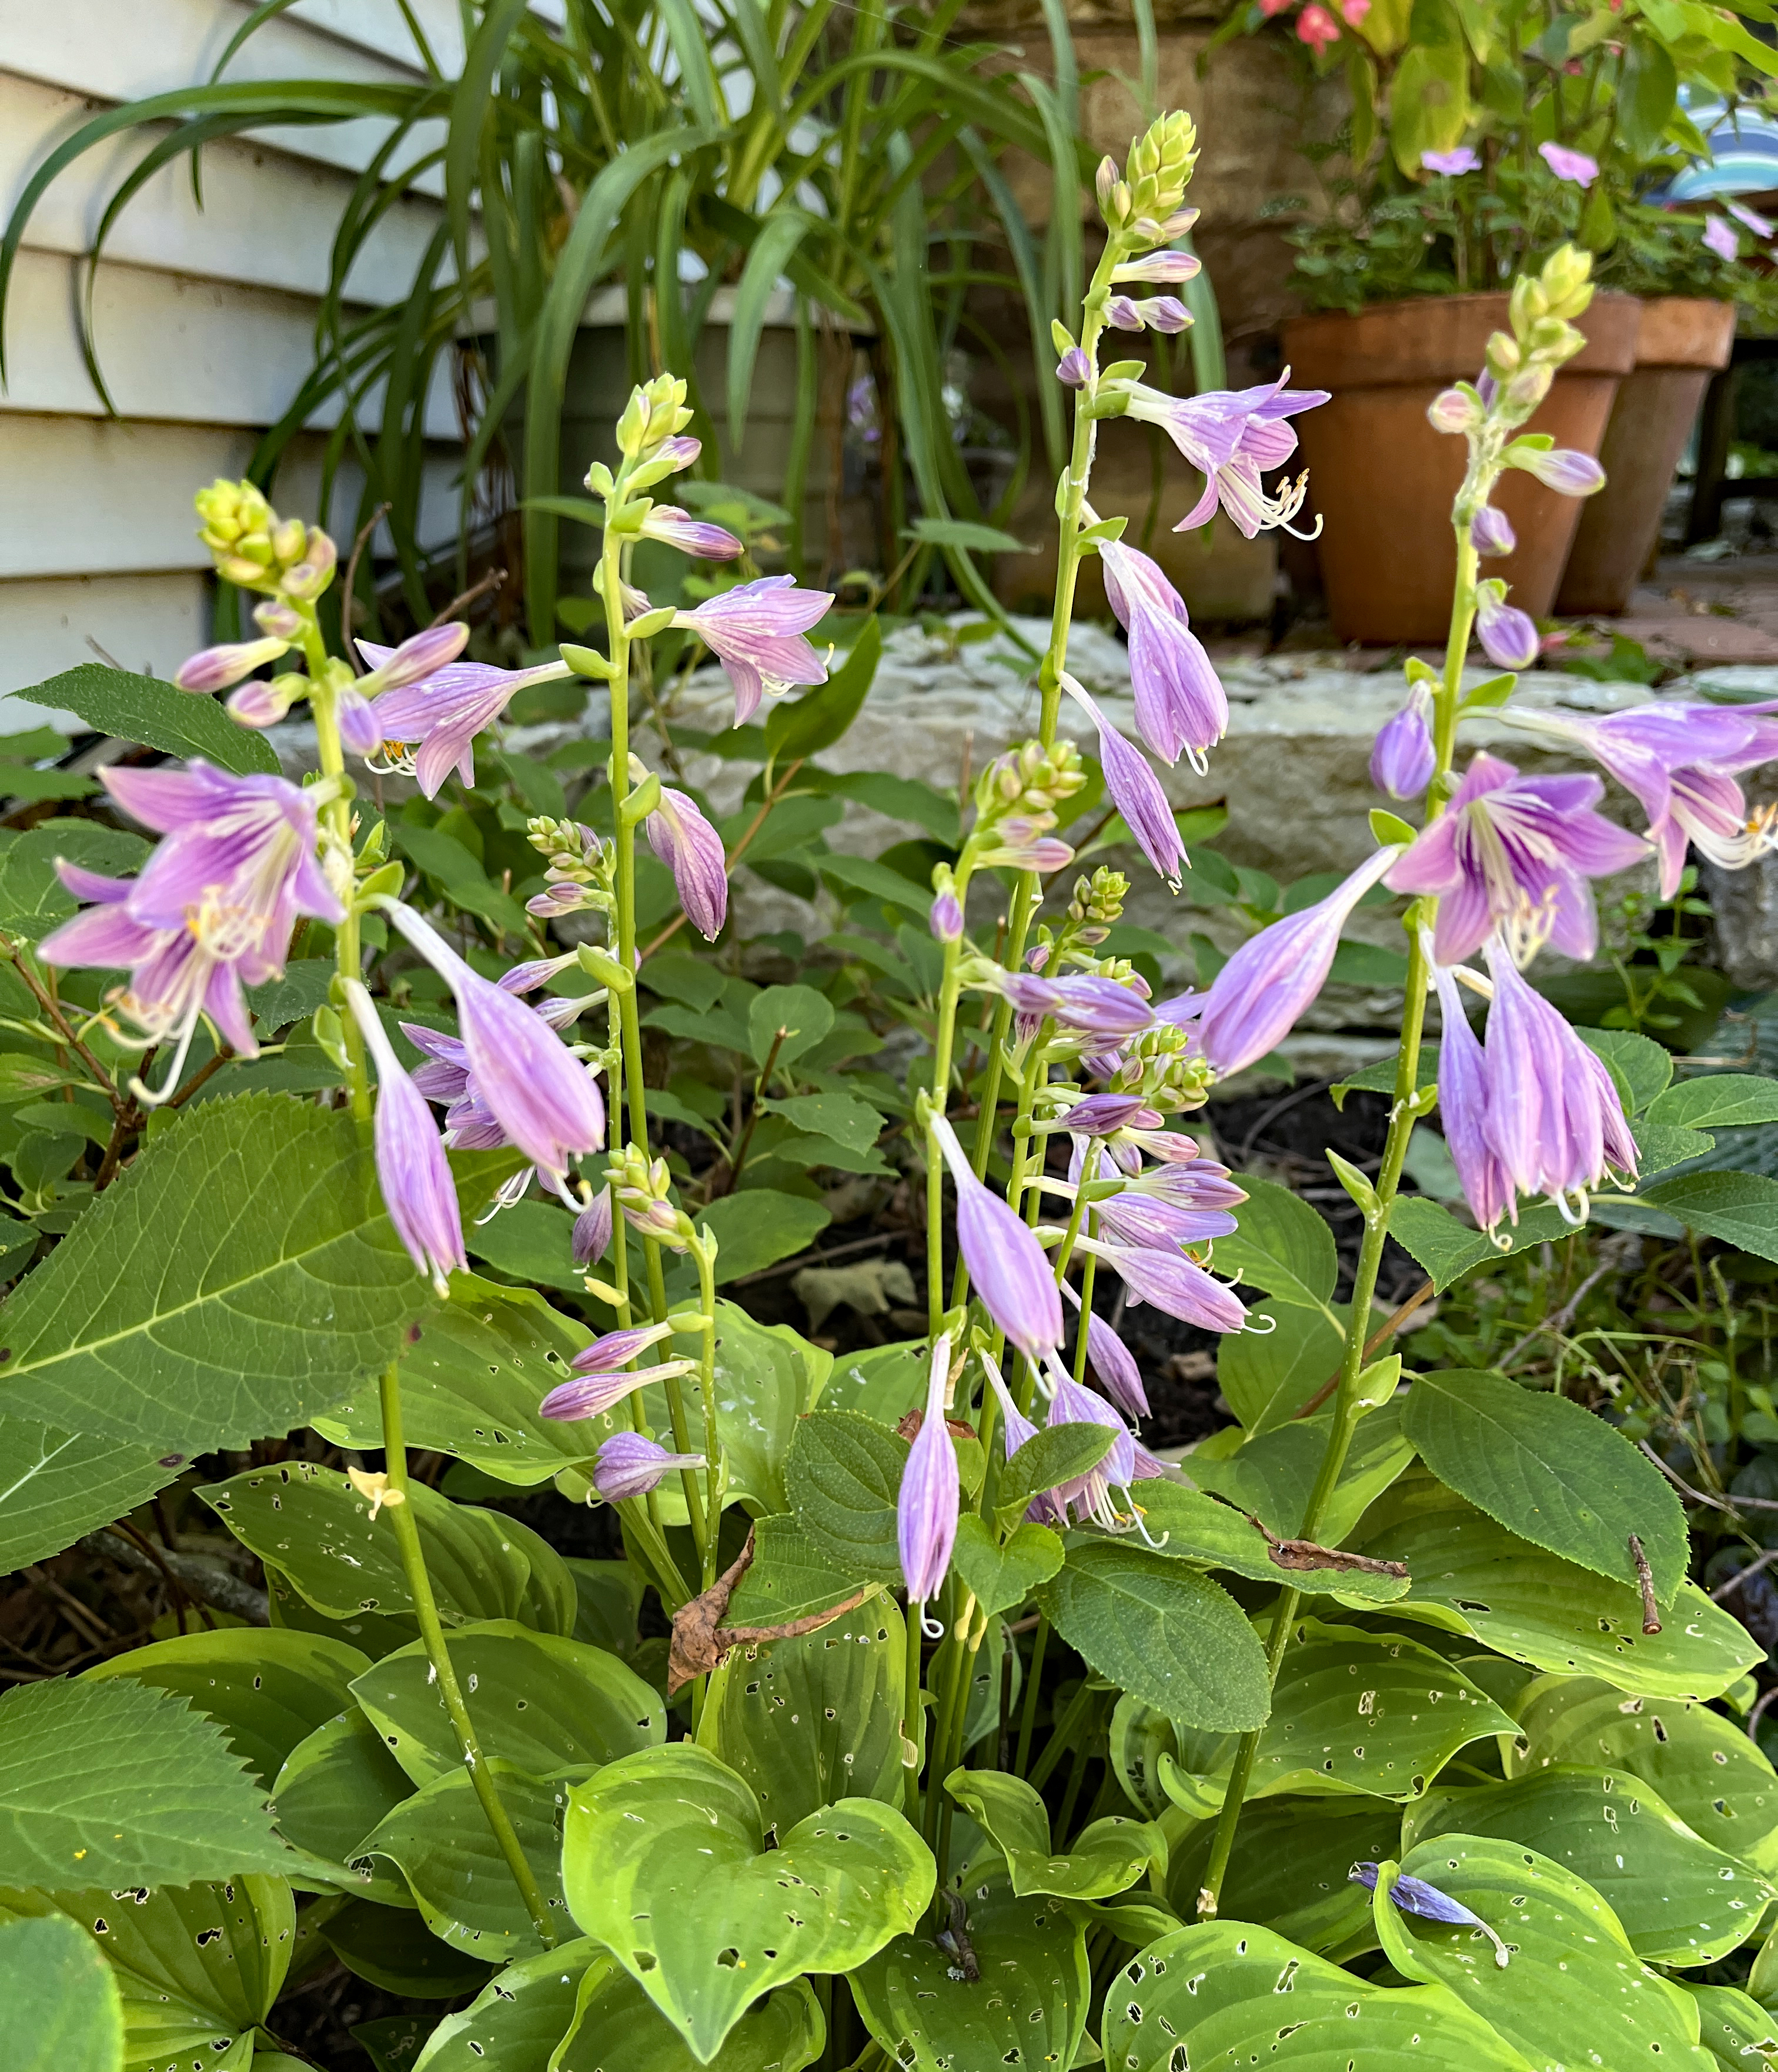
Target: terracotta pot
{"points": [[1383, 480], [1683, 341]]}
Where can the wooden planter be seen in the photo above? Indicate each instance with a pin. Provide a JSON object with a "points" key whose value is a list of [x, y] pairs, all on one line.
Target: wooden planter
{"points": [[1383, 480], [1683, 340]]}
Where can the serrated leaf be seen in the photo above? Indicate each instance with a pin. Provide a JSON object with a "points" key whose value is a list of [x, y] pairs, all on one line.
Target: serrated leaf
{"points": [[1640, 1066], [1192, 1527], [1003, 1577], [241, 1276], [143, 708], [55, 1486], [1272, 1473], [1723, 1100], [1162, 1632], [843, 1473], [1281, 1246], [116, 1784], [1107, 1857], [791, 1577], [63, 2012], [1449, 1249], [665, 1862], [1056, 1454], [1740, 1208], [1551, 1472], [1268, 1375]]}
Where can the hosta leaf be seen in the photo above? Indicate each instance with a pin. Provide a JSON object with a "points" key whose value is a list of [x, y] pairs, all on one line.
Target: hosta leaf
{"points": [[1224, 1994], [1268, 1375], [1735, 2029], [55, 1486], [517, 2020], [544, 1705], [843, 1473], [132, 707], [63, 2012], [1473, 1576], [1572, 1992], [885, 1381], [334, 1788], [791, 1577], [1162, 1631], [1272, 1474], [766, 1376], [1199, 1529], [1028, 2009], [240, 1277], [1107, 1856], [1680, 1900], [1289, 1870], [118, 1784], [392, 1947], [665, 1862], [1003, 1577], [1713, 1775], [267, 1689], [1551, 1472], [311, 1525], [616, 2028], [814, 1718], [1280, 1245]]}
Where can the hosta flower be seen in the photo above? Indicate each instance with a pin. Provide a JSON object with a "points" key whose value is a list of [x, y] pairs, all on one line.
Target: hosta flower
{"points": [[931, 1485], [692, 536], [1074, 369], [1569, 165], [438, 716], [1090, 1496], [946, 918], [1180, 705], [1135, 790], [1254, 1001], [1508, 636], [1403, 760], [216, 668], [1463, 1107], [1230, 435], [590, 1238], [755, 631], [1095, 1005], [412, 1170], [691, 849], [1007, 1266], [1491, 533], [1515, 854], [629, 1465], [1113, 1363], [1721, 238], [603, 1375], [1173, 1283], [1100, 1114], [1162, 268], [1560, 468], [1414, 1895], [1451, 163]]}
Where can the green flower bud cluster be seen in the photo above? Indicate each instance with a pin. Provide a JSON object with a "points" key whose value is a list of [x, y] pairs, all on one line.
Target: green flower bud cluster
{"points": [[256, 549], [1098, 901], [1543, 335], [576, 856], [1155, 174], [644, 1186], [1030, 778], [656, 412], [1156, 1068]]}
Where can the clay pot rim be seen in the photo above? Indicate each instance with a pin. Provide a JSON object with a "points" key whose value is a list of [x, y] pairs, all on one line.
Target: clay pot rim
{"points": [[1325, 341]]}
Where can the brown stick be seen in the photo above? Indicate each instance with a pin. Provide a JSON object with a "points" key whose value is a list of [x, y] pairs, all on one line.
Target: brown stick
{"points": [[1645, 1582], [1381, 1335], [51, 1007], [348, 596], [490, 582]]}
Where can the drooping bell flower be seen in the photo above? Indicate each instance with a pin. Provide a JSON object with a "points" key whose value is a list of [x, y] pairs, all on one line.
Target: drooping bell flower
{"points": [[1230, 436], [604, 1376], [590, 1238], [1254, 1001], [1112, 1360], [1463, 1107], [926, 1507], [1090, 1496], [1180, 705], [755, 631], [695, 536], [439, 716], [691, 849], [1172, 1283], [1134, 790], [412, 1170], [1515, 854], [1403, 759], [1087, 1002], [629, 1466], [1508, 636], [1009, 1268]]}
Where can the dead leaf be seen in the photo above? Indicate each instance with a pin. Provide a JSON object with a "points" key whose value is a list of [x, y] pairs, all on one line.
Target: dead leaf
{"points": [[700, 1640]]}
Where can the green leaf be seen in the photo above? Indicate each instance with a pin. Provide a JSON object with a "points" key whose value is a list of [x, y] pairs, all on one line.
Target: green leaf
{"points": [[766, 1376], [1268, 1375], [1735, 2029], [1573, 1990], [1740, 1208], [115, 1784], [1471, 1576], [665, 1862], [23, 1078], [1029, 2007], [1724, 1100], [843, 1473], [1681, 1901], [1639, 1066], [1379, 1078], [131, 708], [1648, 91], [1429, 102], [304, 987], [517, 2020], [1212, 1993], [1551, 1472], [758, 1228], [883, 1382], [312, 1526], [334, 1788], [793, 1018], [1449, 1249], [846, 1119], [531, 1241], [33, 899], [1658, 1149], [863, 878], [792, 1576], [392, 1947], [63, 2012], [441, 1841], [1107, 1856], [616, 2028], [1192, 1527], [1710, 1772], [1056, 1454], [1004, 1577], [1290, 1870], [1281, 1246], [240, 1277], [55, 1486], [965, 533], [547, 1705], [1272, 1475], [815, 1717], [267, 1689], [796, 729], [1162, 1631]]}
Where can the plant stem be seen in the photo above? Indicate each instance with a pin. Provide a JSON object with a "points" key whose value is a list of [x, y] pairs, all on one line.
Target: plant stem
{"points": [[943, 1037], [911, 1711], [425, 1609], [1034, 1677]]}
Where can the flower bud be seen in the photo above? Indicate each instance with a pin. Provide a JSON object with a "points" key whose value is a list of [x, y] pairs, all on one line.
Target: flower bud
{"points": [[1166, 313], [1503, 356], [1508, 636], [216, 668], [1105, 181], [1450, 410], [692, 536], [1074, 370], [356, 718], [288, 541], [260, 704], [1559, 468], [237, 569], [591, 1237], [421, 656], [1122, 314], [1159, 269], [304, 581], [1527, 387], [1491, 533], [1403, 760], [276, 620]]}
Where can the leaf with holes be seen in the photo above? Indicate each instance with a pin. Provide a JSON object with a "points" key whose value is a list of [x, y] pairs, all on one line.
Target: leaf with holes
{"points": [[1551, 1472], [1162, 1631], [616, 2028], [1280, 1245], [547, 1705], [1681, 1901], [1192, 1527], [1735, 2029], [1224, 1994], [63, 2012], [1708, 1771], [1471, 1576], [815, 1717], [1290, 1871], [766, 1376], [665, 1862], [1273, 1475], [1107, 1856], [314, 1527], [335, 1787], [1028, 2009], [843, 1473], [1004, 1577], [518, 2018], [792, 1576], [1573, 1992]]}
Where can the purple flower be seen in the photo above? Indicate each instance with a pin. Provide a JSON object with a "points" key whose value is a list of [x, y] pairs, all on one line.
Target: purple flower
{"points": [[591, 1236], [1453, 412], [1089, 1495], [1508, 636], [691, 849], [1230, 436], [1553, 1117], [1755, 222], [1567, 165], [1491, 532], [926, 1508], [1074, 370], [946, 918], [419, 657], [1414, 1895], [1463, 1107], [216, 668], [258, 704], [1099, 1115], [1256, 998], [692, 536], [1180, 705], [1515, 853], [1720, 238], [412, 1170], [1161, 269], [1166, 313], [1122, 314], [1135, 790], [629, 1465], [604, 1375], [1016, 1427], [1112, 1361], [1009, 1268], [540, 1094], [355, 717], [1451, 163], [440, 716], [755, 631], [1096, 1006], [1403, 760], [1172, 1283], [1559, 468]]}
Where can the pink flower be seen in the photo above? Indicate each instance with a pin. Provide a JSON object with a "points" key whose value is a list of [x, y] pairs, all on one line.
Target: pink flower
{"points": [[439, 715], [1451, 163], [755, 631], [1754, 221], [691, 849], [1231, 435], [1567, 165], [1721, 239], [695, 536], [1180, 705], [412, 1170], [1317, 27]]}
